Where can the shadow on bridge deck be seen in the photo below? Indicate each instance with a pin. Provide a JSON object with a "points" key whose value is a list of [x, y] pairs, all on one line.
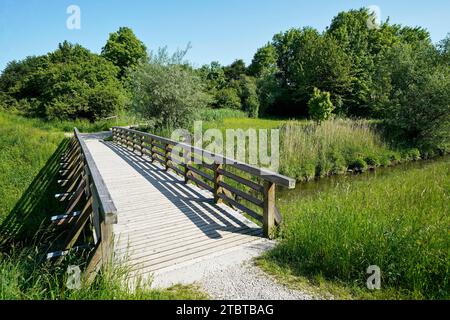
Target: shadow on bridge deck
{"points": [[189, 199]]}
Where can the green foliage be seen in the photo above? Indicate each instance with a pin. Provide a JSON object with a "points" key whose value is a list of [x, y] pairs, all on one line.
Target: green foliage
{"points": [[331, 148], [249, 96], [208, 114], [25, 150], [416, 98], [25, 278], [235, 70], [227, 98], [68, 83], [444, 50], [264, 62], [397, 221], [124, 50], [320, 106], [307, 59], [167, 91]]}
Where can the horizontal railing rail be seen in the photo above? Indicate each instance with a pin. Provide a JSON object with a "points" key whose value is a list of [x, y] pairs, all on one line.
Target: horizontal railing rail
{"points": [[253, 193]]}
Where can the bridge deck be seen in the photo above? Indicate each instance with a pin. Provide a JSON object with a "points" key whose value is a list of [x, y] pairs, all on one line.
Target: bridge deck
{"points": [[163, 222]]}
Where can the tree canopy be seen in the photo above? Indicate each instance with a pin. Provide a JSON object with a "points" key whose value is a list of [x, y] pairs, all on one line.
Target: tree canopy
{"points": [[69, 83], [124, 50]]}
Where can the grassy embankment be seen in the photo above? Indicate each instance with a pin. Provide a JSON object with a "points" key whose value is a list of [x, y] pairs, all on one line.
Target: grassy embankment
{"points": [[30, 150], [398, 221]]}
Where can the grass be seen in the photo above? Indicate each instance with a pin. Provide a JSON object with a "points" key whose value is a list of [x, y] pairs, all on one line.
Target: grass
{"points": [[24, 277], [219, 114], [311, 150], [25, 149], [398, 221]]}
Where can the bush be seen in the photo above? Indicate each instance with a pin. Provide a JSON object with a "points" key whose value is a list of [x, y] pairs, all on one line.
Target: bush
{"points": [[372, 160], [411, 154], [359, 164], [416, 107], [228, 98], [320, 106], [167, 91], [68, 83], [249, 96]]}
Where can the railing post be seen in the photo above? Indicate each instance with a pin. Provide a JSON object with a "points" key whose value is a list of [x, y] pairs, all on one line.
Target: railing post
{"points": [[142, 140], [187, 161], [217, 179], [151, 149], [269, 208], [166, 156]]}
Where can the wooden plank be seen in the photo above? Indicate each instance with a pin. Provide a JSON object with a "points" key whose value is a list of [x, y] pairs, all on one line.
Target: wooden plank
{"points": [[204, 185], [242, 180], [157, 253], [242, 194], [157, 242], [149, 266], [241, 207], [201, 173]]}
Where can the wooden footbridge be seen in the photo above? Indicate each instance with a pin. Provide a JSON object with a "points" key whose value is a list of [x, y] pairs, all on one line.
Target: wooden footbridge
{"points": [[137, 200]]}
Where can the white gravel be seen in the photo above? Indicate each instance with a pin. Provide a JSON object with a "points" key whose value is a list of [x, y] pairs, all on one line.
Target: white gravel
{"points": [[246, 281], [230, 275]]}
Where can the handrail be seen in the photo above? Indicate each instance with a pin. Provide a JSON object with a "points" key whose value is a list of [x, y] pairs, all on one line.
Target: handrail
{"points": [[160, 149], [264, 174], [89, 208], [105, 202]]}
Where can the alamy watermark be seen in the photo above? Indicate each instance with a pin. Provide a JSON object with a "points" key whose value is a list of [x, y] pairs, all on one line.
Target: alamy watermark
{"points": [[73, 22], [259, 148], [374, 280], [73, 278], [374, 20]]}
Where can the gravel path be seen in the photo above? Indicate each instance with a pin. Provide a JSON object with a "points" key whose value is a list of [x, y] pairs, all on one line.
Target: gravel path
{"points": [[245, 281]]}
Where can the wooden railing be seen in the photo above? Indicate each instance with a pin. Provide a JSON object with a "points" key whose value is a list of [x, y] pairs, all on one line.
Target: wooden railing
{"points": [[237, 184], [89, 211]]}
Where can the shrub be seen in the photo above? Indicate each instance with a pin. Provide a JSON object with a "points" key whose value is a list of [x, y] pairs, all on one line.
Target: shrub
{"points": [[359, 164], [167, 91], [249, 96], [416, 108], [69, 83], [228, 98], [320, 106], [372, 160]]}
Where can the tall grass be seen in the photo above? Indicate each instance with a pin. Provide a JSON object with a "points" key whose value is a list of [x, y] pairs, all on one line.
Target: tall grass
{"points": [[399, 222], [310, 150], [219, 114], [23, 277], [25, 148]]}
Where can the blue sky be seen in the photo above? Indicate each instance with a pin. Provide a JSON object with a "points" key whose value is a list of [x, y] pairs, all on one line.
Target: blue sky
{"points": [[217, 30]]}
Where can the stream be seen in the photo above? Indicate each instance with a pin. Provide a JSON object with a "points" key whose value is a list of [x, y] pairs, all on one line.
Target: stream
{"points": [[305, 189]]}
